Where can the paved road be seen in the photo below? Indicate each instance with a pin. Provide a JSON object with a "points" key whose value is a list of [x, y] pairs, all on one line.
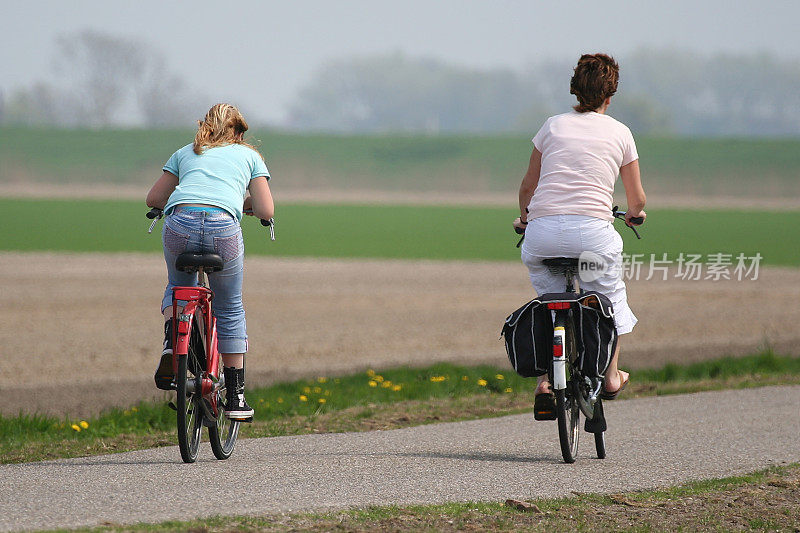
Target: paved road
{"points": [[651, 442]]}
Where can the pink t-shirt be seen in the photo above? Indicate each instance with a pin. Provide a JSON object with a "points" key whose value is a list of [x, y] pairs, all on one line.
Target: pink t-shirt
{"points": [[581, 157]]}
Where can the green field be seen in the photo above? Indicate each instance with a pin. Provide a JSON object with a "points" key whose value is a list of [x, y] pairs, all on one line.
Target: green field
{"points": [[732, 167], [401, 232]]}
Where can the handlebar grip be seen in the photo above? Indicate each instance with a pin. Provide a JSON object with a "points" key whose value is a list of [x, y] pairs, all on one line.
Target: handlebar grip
{"points": [[267, 223], [637, 220], [154, 212], [519, 231]]}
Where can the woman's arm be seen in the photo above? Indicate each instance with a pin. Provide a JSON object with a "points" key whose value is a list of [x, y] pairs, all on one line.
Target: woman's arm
{"points": [[160, 191], [261, 198], [634, 192], [528, 187]]}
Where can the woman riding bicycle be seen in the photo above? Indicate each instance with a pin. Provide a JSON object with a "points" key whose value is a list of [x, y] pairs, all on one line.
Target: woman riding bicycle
{"points": [[202, 191], [565, 200]]}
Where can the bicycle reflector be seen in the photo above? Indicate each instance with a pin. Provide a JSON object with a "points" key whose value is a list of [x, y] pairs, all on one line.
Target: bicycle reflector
{"points": [[558, 305]]}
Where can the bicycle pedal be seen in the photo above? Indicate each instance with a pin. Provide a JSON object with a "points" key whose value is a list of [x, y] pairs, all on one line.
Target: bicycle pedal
{"points": [[172, 406], [247, 420]]}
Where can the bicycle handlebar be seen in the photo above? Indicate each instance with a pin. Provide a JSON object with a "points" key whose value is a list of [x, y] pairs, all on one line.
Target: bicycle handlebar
{"points": [[615, 212], [155, 214], [634, 220]]}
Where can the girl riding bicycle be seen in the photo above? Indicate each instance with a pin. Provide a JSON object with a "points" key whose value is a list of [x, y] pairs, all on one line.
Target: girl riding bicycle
{"points": [[202, 192], [565, 201]]}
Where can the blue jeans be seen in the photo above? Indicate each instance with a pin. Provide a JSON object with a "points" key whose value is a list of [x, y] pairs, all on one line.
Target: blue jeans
{"points": [[218, 232]]}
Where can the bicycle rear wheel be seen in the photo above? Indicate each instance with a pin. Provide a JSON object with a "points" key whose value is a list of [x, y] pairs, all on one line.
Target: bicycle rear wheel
{"points": [[190, 415], [223, 434], [568, 424], [568, 410]]}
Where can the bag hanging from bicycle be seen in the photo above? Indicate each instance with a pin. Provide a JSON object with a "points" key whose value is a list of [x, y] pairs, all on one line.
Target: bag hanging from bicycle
{"points": [[528, 333]]}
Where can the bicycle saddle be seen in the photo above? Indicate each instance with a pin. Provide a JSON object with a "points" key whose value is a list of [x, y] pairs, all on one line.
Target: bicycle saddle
{"points": [[191, 262], [561, 262]]}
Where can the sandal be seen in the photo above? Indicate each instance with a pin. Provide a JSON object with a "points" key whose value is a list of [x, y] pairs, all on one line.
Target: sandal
{"points": [[605, 395]]}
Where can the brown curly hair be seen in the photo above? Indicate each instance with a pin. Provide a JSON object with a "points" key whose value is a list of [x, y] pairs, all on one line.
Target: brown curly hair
{"points": [[222, 125], [595, 78]]}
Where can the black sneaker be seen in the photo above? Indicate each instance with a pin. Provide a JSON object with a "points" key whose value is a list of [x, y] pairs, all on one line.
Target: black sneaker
{"points": [[165, 375], [236, 407]]}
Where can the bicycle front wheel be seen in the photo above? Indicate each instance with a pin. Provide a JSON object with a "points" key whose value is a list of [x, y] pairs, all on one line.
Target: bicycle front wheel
{"points": [[190, 415], [223, 434]]}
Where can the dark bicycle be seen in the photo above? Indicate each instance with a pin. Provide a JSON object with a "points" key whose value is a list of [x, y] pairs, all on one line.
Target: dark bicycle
{"points": [[575, 392]]}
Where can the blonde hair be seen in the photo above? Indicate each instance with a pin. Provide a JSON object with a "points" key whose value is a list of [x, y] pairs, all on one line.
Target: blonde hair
{"points": [[222, 125]]}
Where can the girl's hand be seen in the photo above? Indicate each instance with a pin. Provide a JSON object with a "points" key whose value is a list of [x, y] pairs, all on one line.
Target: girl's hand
{"points": [[247, 207], [632, 214], [519, 225]]}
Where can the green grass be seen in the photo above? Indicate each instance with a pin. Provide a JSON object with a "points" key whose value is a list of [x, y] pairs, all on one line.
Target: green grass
{"points": [[738, 167], [399, 232], [422, 395]]}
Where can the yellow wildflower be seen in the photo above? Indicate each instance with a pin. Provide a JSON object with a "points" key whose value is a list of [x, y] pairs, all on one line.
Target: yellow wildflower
{"points": [[509, 389], [464, 378], [322, 400], [280, 400], [84, 424], [378, 378], [76, 427], [303, 398], [370, 372], [373, 383], [322, 379], [499, 376], [386, 384], [397, 388], [134, 409], [317, 390], [307, 390], [482, 382]]}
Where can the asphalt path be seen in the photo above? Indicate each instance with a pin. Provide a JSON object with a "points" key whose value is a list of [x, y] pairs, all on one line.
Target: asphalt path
{"points": [[652, 442]]}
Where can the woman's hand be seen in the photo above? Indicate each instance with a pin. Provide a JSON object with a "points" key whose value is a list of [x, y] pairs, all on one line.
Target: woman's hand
{"points": [[633, 214], [247, 207], [519, 225]]}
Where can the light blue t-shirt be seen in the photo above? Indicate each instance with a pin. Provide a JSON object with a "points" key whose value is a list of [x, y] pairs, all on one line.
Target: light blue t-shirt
{"points": [[219, 176]]}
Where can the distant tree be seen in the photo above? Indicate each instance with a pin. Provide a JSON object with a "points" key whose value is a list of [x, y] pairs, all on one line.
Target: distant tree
{"points": [[101, 69], [398, 93], [103, 80]]}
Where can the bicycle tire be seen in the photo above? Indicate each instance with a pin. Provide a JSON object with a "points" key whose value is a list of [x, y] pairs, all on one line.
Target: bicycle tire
{"points": [[190, 416], [224, 432], [568, 412], [600, 444]]}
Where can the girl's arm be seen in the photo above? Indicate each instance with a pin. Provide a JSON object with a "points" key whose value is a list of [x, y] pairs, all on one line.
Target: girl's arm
{"points": [[160, 191], [634, 192], [260, 198], [528, 187]]}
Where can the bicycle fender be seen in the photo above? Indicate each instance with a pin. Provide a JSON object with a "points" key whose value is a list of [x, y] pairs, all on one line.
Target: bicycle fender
{"points": [[559, 361], [184, 329]]}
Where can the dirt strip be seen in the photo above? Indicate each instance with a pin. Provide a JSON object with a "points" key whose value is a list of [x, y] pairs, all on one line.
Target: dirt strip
{"points": [[82, 332]]}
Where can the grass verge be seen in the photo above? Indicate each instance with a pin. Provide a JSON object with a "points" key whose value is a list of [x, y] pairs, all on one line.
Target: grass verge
{"points": [[760, 501], [395, 398]]}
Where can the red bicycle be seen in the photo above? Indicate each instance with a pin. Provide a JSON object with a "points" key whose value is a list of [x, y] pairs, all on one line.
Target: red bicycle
{"points": [[199, 380]]}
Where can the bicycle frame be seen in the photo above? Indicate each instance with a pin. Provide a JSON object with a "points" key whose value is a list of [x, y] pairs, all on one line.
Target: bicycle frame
{"points": [[198, 304]]}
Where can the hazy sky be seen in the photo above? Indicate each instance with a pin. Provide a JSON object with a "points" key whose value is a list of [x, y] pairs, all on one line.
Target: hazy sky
{"points": [[257, 54]]}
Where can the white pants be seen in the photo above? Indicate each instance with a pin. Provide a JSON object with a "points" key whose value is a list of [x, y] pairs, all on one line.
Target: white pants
{"points": [[569, 236]]}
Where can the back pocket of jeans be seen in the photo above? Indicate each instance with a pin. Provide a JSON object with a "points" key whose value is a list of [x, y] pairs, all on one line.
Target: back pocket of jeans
{"points": [[175, 242], [229, 248]]}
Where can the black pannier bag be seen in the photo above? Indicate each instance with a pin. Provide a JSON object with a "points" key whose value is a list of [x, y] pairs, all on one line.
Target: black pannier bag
{"points": [[528, 333]]}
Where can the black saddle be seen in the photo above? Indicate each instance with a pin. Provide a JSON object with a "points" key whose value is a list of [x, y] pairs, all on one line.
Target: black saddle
{"points": [[191, 262], [561, 262]]}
